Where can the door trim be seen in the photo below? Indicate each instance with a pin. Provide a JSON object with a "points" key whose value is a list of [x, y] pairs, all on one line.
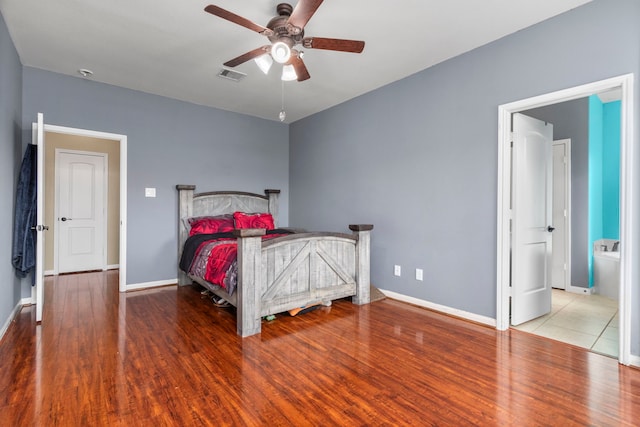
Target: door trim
{"points": [[122, 140], [627, 189], [567, 235], [56, 207]]}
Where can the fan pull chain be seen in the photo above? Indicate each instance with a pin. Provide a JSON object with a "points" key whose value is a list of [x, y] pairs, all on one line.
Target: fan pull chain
{"points": [[283, 114]]}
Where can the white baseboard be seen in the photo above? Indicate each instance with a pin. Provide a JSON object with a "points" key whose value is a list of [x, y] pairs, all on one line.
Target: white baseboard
{"points": [[12, 316], [49, 272], [113, 266], [441, 308], [146, 285]]}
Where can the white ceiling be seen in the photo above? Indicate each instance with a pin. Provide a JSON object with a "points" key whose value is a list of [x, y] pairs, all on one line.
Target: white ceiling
{"points": [[175, 49]]}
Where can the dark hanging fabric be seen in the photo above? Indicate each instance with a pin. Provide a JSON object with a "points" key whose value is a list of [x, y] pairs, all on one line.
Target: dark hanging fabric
{"points": [[24, 237]]}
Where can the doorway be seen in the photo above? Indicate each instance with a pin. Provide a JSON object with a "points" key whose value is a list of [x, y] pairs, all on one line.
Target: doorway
{"points": [[625, 85], [585, 320], [87, 140], [57, 143]]}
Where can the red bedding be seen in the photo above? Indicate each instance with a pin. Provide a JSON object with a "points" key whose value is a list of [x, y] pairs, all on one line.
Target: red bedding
{"points": [[219, 262], [215, 259]]}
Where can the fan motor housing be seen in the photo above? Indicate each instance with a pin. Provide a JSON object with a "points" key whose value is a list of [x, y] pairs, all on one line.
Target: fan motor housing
{"points": [[282, 32]]}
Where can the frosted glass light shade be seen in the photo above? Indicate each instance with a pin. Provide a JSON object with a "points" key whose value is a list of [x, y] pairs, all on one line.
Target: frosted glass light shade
{"points": [[264, 62], [289, 73]]}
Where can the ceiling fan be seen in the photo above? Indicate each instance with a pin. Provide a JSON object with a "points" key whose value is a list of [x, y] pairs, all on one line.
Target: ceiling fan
{"points": [[284, 32]]}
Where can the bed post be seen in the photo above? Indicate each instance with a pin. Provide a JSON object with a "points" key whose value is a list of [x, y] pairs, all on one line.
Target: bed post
{"points": [[363, 261], [249, 290], [273, 204], [185, 209]]}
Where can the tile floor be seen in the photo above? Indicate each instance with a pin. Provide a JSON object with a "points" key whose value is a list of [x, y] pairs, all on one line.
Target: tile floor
{"points": [[589, 321]]}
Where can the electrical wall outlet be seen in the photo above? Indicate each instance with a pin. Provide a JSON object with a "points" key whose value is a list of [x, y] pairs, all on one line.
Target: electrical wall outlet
{"points": [[419, 274], [397, 270]]}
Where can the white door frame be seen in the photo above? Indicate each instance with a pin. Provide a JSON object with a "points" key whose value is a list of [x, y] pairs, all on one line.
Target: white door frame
{"points": [[627, 189], [56, 206], [567, 235], [122, 140]]}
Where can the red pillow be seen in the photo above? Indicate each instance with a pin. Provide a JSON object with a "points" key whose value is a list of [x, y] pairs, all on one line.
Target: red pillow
{"points": [[256, 220], [210, 224]]}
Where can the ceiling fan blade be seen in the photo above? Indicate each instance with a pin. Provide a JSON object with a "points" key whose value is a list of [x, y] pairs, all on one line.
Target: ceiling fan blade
{"points": [[236, 19], [298, 65], [248, 56], [354, 46], [303, 11]]}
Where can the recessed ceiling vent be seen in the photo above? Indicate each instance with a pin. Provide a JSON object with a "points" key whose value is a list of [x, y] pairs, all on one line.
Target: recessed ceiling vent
{"points": [[231, 75]]}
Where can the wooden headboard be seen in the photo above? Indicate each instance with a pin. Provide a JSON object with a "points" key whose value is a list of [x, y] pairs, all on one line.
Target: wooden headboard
{"points": [[214, 203]]}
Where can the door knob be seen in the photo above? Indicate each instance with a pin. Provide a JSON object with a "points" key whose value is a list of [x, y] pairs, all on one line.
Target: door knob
{"points": [[64, 218], [550, 229]]}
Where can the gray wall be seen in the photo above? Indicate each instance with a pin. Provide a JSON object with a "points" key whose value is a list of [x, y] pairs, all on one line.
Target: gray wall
{"points": [[571, 120], [169, 142], [10, 158], [418, 158]]}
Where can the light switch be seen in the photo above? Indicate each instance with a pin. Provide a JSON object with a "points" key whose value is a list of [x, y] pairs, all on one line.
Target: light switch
{"points": [[149, 192], [397, 270]]}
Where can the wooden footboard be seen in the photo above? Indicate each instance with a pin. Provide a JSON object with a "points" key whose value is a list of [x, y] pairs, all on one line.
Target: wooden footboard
{"points": [[298, 270], [285, 272]]}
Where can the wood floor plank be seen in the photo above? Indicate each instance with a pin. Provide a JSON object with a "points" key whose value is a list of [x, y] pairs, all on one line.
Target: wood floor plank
{"points": [[167, 356]]}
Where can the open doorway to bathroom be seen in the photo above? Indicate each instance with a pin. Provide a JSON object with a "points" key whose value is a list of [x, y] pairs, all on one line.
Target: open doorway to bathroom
{"points": [[507, 285], [586, 206]]}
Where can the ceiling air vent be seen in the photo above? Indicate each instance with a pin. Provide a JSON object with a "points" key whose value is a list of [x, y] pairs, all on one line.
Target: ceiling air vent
{"points": [[231, 75]]}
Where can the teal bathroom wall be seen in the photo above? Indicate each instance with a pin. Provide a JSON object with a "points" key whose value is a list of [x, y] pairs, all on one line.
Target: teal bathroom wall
{"points": [[604, 173]]}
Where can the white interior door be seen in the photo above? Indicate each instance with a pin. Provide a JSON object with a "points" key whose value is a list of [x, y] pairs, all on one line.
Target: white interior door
{"points": [[81, 211], [560, 253], [40, 227], [532, 213]]}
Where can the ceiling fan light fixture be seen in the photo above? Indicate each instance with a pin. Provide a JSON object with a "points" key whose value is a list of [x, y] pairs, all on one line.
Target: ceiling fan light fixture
{"points": [[281, 52], [264, 62], [289, 73]]}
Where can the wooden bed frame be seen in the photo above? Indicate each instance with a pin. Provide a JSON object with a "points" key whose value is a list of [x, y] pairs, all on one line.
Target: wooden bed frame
{"points": [[285, 272]]}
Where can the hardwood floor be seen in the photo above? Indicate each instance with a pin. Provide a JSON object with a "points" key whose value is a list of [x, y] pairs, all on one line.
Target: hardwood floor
{"points": [[167, 356]]}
